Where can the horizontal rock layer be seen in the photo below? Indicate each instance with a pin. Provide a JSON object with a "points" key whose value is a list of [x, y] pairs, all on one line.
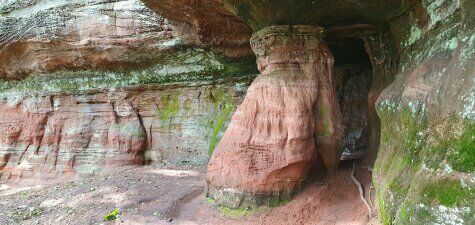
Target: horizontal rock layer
{"points": [[81, 134], [45, 36], [87, 85]]}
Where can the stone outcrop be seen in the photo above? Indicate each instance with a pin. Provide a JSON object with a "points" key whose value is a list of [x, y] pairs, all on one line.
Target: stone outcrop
{"points": [[45, 36], [91, 85], [288, 115], [56, 134], [425, 168], [87, 85]]}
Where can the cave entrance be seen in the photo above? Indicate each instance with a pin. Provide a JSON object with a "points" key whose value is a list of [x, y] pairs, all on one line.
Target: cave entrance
{"points": [[353, 76], [353, 80]]}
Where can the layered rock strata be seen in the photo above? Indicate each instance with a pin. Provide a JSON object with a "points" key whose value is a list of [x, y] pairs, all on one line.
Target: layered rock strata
{"points": [[289, 114], [54, 135], [44, 36], [91, 85]]}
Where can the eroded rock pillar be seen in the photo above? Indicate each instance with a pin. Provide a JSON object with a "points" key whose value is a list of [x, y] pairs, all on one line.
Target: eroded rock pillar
{"points": [[290, 112]]}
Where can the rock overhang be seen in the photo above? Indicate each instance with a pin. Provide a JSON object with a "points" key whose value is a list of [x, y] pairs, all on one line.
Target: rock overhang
{"points": [[262, 13]]}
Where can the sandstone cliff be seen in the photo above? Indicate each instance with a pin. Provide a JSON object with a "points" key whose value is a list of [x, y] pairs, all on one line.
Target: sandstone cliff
{"points": [[89, 85]]}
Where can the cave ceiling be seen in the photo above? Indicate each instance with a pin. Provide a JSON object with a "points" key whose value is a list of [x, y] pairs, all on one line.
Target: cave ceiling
{"points": [[261, 13]]}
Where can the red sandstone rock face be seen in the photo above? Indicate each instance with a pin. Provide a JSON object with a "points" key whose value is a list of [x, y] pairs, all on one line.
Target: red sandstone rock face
{"points": [[45, 36], [67, 134], [53, 135], [289, 114], [215, 25], [42, 36], [45, 134]]}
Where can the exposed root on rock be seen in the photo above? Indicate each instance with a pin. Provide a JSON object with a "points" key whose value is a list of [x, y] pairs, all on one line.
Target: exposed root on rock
{"points": [[360, 189]]}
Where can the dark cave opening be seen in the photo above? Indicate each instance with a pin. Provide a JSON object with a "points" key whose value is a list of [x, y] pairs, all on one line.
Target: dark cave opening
{"points": [[353, 77], [353, 80]]}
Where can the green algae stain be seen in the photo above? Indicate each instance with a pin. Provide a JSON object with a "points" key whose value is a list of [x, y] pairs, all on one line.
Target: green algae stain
{"points": [[223, 107], [187, 105], [171, 106], [325, 115], [415, 127], [463, 157], [458, 152], [402, 139], [398, 188], [415, 215], [236, 213], [326, 130], [447, 192], [407, 155], [403, 131], [385, 219], [113, 215]]}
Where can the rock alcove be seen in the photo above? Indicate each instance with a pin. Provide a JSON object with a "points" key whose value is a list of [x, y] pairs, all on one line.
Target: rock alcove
{"points": [[277, 142], [96, 85]]}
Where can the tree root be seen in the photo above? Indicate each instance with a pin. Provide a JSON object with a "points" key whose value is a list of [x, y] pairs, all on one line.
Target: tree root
{"points": [[360, 189]]}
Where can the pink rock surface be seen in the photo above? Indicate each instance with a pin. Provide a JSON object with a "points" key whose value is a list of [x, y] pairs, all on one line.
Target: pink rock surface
{"points": [[289, 114], [45, 36], [59, 134]]}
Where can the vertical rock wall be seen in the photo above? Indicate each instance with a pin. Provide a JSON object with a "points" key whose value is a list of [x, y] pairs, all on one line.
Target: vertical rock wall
{"points": [[55, 134], [353, 86], [425, 169]]}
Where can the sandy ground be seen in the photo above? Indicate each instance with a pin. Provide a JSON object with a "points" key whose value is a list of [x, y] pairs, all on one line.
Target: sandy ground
{"points": [[158, 195]]}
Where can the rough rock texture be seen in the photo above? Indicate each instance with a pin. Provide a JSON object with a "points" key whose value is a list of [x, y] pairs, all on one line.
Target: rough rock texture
{"points": [[380, 49], [423, 49], [44, 36], [353, 81], [81, 134], [425, 170], [215, 25], [88, 85], [261, 13], [270, 144], [353, 86]]}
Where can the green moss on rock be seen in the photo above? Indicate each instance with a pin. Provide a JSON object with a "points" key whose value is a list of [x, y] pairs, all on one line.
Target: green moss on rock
{"points": [[447, 192], [223, 107], [236, 213], [463, 157], [170, 106], [182, 65]]}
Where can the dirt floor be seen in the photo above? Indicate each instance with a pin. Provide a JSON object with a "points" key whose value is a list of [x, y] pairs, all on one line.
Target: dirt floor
{"points": [[158, 195]]}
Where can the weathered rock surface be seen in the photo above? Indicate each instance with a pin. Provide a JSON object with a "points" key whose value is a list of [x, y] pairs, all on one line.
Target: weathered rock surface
{"points": [[82, 134], [88, 85], [45, 36], [288, 115], [425, 169], [215, 25], [353, 86]]}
